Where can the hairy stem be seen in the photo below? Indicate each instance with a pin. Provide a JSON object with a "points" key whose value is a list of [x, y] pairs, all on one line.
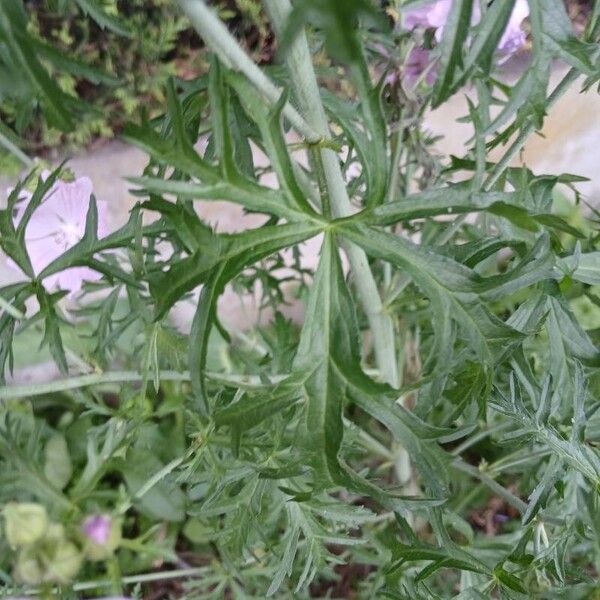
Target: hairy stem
{"points": [[218, 38], [309, 101]]}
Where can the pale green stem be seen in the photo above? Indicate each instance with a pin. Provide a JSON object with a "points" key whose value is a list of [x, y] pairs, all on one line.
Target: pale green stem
{"points": [[391, 192], [308, 97], [14, 392], [500, 491], [527, 130], [131, 580], [493, 485], [508, 462], [480, 436], [15, 151], [217, 37], [10, 309]]}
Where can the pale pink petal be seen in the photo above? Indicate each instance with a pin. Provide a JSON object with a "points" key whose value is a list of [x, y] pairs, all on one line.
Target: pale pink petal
{"points": [[514, 38], [71, 279], [418, 60], [417, 17], [56, 226], [432, 15], [438, 15]]}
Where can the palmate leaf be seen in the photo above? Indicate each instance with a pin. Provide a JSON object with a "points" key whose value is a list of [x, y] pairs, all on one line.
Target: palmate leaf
{"points": [[215, 269], [439, 559], [452, 289], [222, 182], [258, 404], [52, 336], [481, 50], [269, 122], [12, 237], [221, 133], [178, 152], [329, 350], [489, 32], [576, 341], [252, 196], [16, 294], [235, 250], [460, 199], [560, 37], [581, 267], [345, 113], [539, 496], [83, 253], [571, 450], [181, 220], [568, 343]]}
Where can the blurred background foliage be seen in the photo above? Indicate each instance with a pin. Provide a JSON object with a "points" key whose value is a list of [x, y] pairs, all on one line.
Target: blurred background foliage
{"points": [[107, 59]]}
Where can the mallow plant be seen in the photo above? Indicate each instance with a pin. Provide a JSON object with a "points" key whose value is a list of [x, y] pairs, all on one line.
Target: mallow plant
{"points": [[428, 427]]}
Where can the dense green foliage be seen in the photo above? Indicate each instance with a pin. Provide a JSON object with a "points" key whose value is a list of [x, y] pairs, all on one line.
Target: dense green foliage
{"points": [[430, 430], [92, 66]]}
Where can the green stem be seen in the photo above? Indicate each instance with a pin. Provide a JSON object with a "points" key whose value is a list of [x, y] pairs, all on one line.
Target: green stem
{"points": [[131, 580], [392, 189], [308, 98], [7, 144], [14, 392], [509, 462], [527, 130], [5, 305], [480, 436], [495, 487], [217, 37]]}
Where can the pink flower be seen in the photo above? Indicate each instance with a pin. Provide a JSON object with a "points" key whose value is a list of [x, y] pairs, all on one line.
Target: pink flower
{"points": [[432, 15], [514, 38], [57, 225], [97, 529], [435, 14], [418, 60]]}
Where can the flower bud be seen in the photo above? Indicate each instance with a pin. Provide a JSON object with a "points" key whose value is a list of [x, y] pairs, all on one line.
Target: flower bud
{"points": [[64, 564], [25, 523], [28, 568], [102, 536]]}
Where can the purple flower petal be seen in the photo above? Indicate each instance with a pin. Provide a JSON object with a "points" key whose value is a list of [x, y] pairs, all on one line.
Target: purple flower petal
{"points": [[56, 226], [432, 15], [418, 60], [514, 38], [97, 528], [417, 17]]}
